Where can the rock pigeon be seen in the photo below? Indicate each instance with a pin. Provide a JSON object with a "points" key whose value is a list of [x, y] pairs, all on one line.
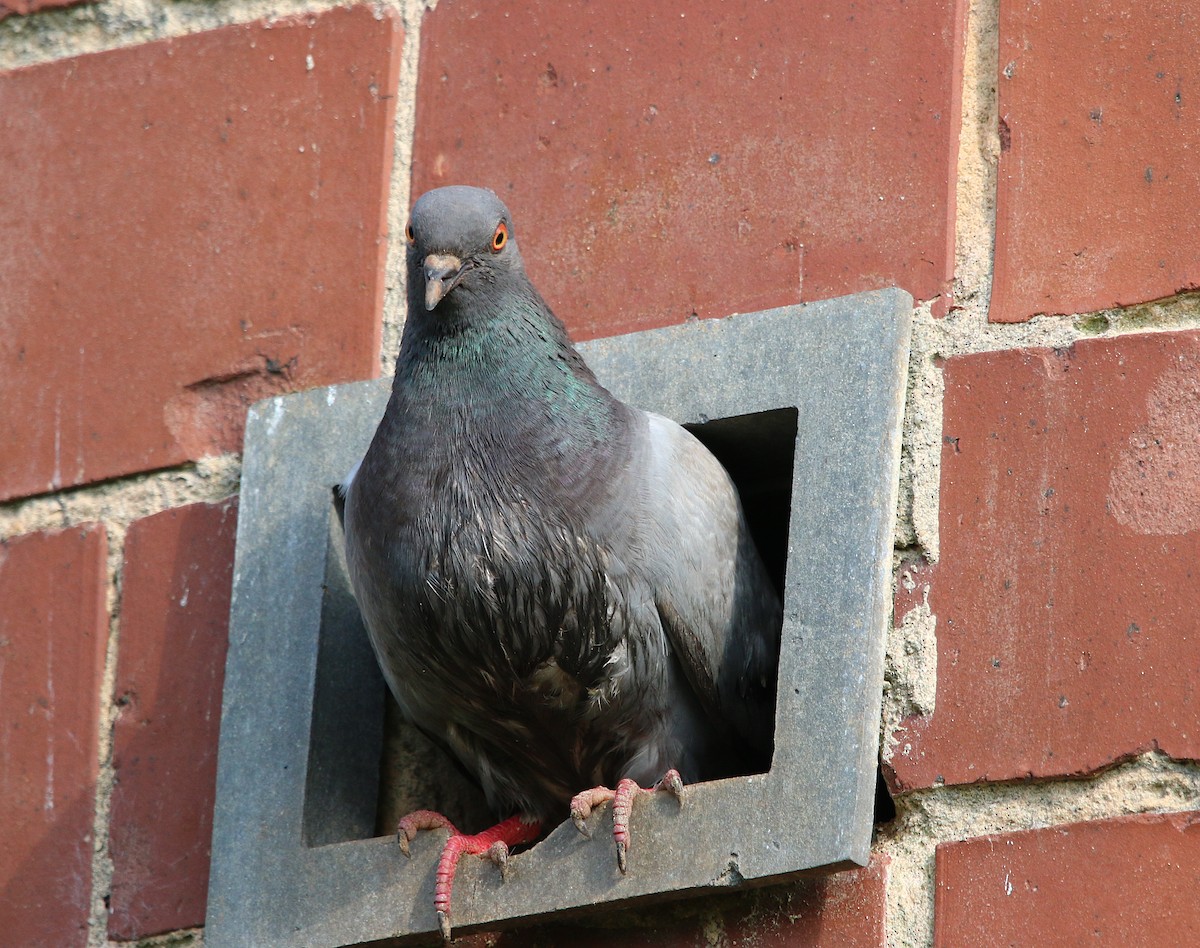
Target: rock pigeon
{"points": [[561, 590]]}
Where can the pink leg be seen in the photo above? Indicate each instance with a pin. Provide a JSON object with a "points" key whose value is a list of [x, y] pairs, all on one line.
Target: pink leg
{"points": [[583, 803], [492, 844]]}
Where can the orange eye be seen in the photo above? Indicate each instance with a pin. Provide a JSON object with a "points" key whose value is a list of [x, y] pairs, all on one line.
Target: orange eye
{"points": [[409, 235], [500, 238]]}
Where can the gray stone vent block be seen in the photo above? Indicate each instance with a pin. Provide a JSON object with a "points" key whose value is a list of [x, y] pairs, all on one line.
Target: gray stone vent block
{"points": [[805, 405]]}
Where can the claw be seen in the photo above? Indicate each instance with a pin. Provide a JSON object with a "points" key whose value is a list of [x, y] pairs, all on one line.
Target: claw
{"points": [[580, 822], [673, 784], [582, 805], [412, 823], [498, 854]]}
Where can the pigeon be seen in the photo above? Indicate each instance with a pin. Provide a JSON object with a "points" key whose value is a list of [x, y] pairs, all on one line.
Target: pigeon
{"points": [[561, 589]]}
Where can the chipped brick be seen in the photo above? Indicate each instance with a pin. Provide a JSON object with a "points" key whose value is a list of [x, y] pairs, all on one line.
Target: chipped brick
{"points": [[1065, 594], [187, 226]]}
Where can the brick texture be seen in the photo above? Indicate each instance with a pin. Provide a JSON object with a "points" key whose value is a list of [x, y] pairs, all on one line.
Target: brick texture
{"points": [[187, 226], [1128, 881], [1065, 594], [53, 632], [700, 158], [9, 7], [170, 669], [1100, 169], [843, 910]]}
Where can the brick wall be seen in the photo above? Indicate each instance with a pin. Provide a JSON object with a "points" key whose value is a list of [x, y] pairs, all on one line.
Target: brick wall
{"points": [[194, 208]]}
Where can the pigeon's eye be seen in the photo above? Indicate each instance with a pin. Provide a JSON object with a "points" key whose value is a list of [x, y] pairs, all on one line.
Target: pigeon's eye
{"points": [[500, 238], [409, 235]]}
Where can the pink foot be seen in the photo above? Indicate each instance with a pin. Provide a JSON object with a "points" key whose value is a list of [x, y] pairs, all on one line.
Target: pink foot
{"points": [[491, 844], [583, 803]]}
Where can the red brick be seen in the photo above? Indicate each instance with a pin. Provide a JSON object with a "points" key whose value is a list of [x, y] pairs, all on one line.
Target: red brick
{"points": [[1128, 881], [53, 634], [700, 157], [187, 226], [1100, 169], [170, 669], [8, 7], [1066, 592], [843, 910]]}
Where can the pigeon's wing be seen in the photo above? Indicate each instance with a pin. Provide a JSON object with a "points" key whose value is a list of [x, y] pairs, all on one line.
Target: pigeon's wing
{"points": [[713, 595]]}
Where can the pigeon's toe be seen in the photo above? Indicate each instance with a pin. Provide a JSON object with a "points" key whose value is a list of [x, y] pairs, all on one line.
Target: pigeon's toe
{"points": [[412, 823], [491, 844], [582, 805]]}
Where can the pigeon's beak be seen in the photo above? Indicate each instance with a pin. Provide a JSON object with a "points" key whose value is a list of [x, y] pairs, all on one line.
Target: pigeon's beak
{"points": [[442, 273]]}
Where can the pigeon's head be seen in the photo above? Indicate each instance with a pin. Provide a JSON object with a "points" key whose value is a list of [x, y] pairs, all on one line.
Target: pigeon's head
{"points": [[459, 238]]}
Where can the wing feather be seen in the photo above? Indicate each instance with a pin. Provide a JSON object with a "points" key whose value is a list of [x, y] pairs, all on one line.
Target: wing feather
{"points": [[713, 595]]}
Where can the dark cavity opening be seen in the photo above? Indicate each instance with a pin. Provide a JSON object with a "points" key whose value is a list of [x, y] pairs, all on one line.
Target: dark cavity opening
{"points": [[885, 806], [758, 451]]}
